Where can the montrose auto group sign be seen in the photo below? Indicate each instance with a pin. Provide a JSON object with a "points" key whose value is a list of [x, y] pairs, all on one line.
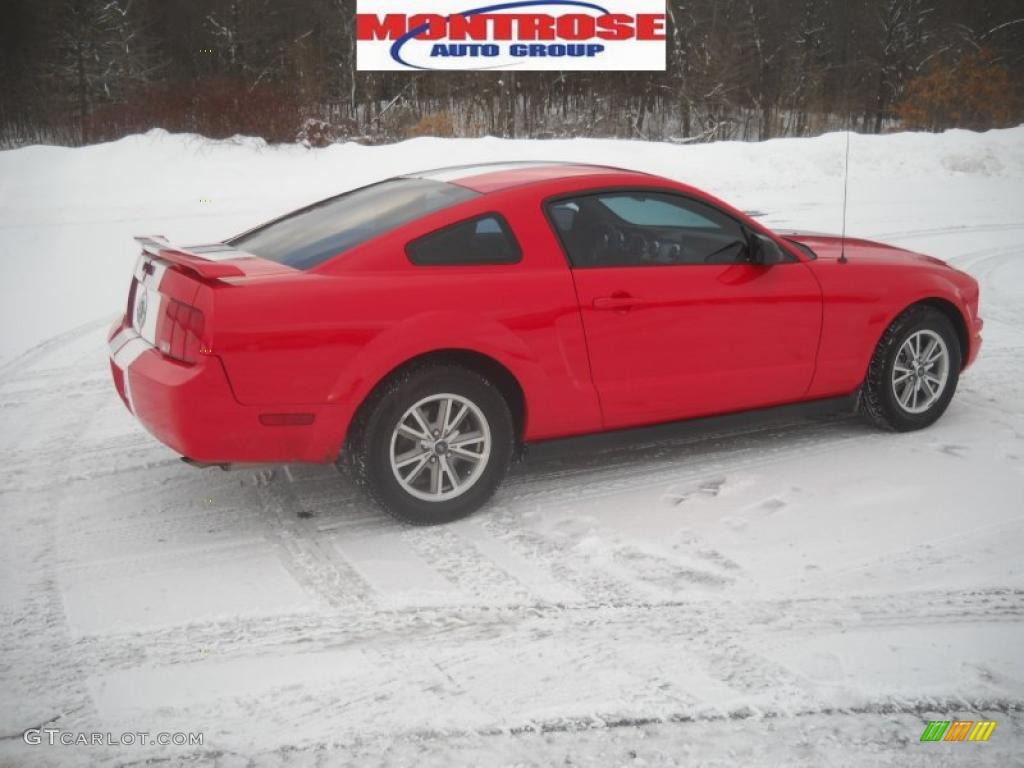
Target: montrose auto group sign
{"points": [[414, 35]]}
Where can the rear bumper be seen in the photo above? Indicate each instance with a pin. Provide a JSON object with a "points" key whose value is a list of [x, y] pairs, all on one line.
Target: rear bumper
{"points": [[192, 410]]}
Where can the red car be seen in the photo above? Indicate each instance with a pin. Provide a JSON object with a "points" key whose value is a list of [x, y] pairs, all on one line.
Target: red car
{"points": [[425, 327]]}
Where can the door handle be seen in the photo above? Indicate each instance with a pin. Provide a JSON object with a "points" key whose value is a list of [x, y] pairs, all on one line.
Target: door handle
{"points": [[618, 300]]}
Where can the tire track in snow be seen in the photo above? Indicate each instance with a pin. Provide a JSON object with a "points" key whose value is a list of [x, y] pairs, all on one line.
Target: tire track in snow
{"points": [[954, 230], [14, 369], [620, 606], [308, 558], [468, 570], [57, 687], [875, 732], [722, 455], [713, 619]]}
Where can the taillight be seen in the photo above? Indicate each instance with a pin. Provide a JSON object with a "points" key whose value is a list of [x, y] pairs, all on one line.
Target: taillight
{"points": [[180, 335]]}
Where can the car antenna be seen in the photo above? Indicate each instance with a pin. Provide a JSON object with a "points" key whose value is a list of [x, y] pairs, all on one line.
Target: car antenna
{"points": [[846, 98], [846, 183]]}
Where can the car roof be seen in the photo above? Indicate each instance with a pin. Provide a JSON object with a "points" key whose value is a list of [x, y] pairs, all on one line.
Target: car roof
{"points": [[495, 177]]}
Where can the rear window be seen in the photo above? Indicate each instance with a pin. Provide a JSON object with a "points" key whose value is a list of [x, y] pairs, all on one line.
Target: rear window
{"points": [[483, 240], [312, 235]]}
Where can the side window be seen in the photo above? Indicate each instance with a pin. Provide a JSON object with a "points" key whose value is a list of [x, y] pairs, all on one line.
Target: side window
{"points": [[483, 240], [656, 212], [632, 229]]}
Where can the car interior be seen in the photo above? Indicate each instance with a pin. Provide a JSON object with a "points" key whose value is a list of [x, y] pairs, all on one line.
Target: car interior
{"points": [[628, 229]]}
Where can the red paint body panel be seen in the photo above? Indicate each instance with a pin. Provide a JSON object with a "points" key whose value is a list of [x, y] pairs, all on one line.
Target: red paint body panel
{"points": [[864, 295], [699, 338], [675, 342], [191, 409]]}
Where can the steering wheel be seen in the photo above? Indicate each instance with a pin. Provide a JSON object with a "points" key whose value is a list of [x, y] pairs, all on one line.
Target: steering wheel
{"points": [[636, 246], [606, 238]]}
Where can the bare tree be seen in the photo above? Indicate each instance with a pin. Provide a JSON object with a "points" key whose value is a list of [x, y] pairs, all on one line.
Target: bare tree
{"points": [[746, 69]]}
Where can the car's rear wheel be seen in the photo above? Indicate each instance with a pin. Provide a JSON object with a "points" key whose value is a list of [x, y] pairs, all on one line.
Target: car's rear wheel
{"points": [[913, 372], [433, 444]]}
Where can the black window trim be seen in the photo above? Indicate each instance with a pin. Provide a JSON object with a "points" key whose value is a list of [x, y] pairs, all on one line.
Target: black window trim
{"points": [[506, 230], [805, 249], [547, 202]]}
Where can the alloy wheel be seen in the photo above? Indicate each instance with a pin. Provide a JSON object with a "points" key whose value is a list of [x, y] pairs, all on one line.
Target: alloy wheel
{"points": [[440, 447], [921, 371]]}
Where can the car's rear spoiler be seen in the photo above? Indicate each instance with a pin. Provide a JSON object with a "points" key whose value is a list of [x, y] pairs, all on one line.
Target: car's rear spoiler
{"points": [[157, 245]]}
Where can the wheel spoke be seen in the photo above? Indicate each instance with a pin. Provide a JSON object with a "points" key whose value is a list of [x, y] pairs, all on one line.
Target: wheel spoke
{"points": [[933, 344], [902, 377], [462, 453], [435, 478], [413, 434], [443, 414], [911, 355], [453, 476], [411, 457], [424, 461], [904, 396], [421, 422], [467, 439], [454, 422]]}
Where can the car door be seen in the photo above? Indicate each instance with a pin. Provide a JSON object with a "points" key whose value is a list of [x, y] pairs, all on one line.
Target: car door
{"points": [[678, 321]]}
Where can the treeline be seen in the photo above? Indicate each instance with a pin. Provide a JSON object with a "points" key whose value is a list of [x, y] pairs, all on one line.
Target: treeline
{"points": [[80, 71]]}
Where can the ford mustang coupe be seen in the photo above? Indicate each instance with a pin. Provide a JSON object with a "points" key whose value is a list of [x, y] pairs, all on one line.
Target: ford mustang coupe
{"points": [[423, 328]]}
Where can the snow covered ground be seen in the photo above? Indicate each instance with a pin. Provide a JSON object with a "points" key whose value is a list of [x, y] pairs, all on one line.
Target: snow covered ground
{"points": [[799, 593]]}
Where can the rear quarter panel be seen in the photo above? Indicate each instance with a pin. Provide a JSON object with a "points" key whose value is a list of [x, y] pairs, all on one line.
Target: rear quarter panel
{"points": [[331, 334]]}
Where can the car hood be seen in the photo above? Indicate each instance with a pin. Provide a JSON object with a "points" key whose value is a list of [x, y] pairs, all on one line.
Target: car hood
{"points": [[831, 246]]}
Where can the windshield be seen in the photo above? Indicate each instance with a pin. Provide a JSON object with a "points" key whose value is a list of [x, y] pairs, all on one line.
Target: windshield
{"points": [[312, 235]]}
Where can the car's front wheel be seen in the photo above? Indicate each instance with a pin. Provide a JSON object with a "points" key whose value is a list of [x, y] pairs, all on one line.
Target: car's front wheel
{"points": [[433, 444], [913, 372]]}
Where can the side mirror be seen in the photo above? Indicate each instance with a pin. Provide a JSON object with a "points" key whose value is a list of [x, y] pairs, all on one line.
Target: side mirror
{"points": [[764, 251]]}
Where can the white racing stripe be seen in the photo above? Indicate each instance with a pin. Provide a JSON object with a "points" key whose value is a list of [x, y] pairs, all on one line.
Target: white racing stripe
{"points": [[154, 278], [119, 340], [128, 345], [139, 274], [125, 349], [130, 352], [125, 378]]}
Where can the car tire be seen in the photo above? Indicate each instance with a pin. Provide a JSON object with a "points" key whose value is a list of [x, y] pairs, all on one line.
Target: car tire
{"points": [[904, 390], [383, 452]]}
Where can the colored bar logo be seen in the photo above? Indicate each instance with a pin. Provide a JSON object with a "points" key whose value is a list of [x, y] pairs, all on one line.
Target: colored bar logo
{"points": [[958, 730]]}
